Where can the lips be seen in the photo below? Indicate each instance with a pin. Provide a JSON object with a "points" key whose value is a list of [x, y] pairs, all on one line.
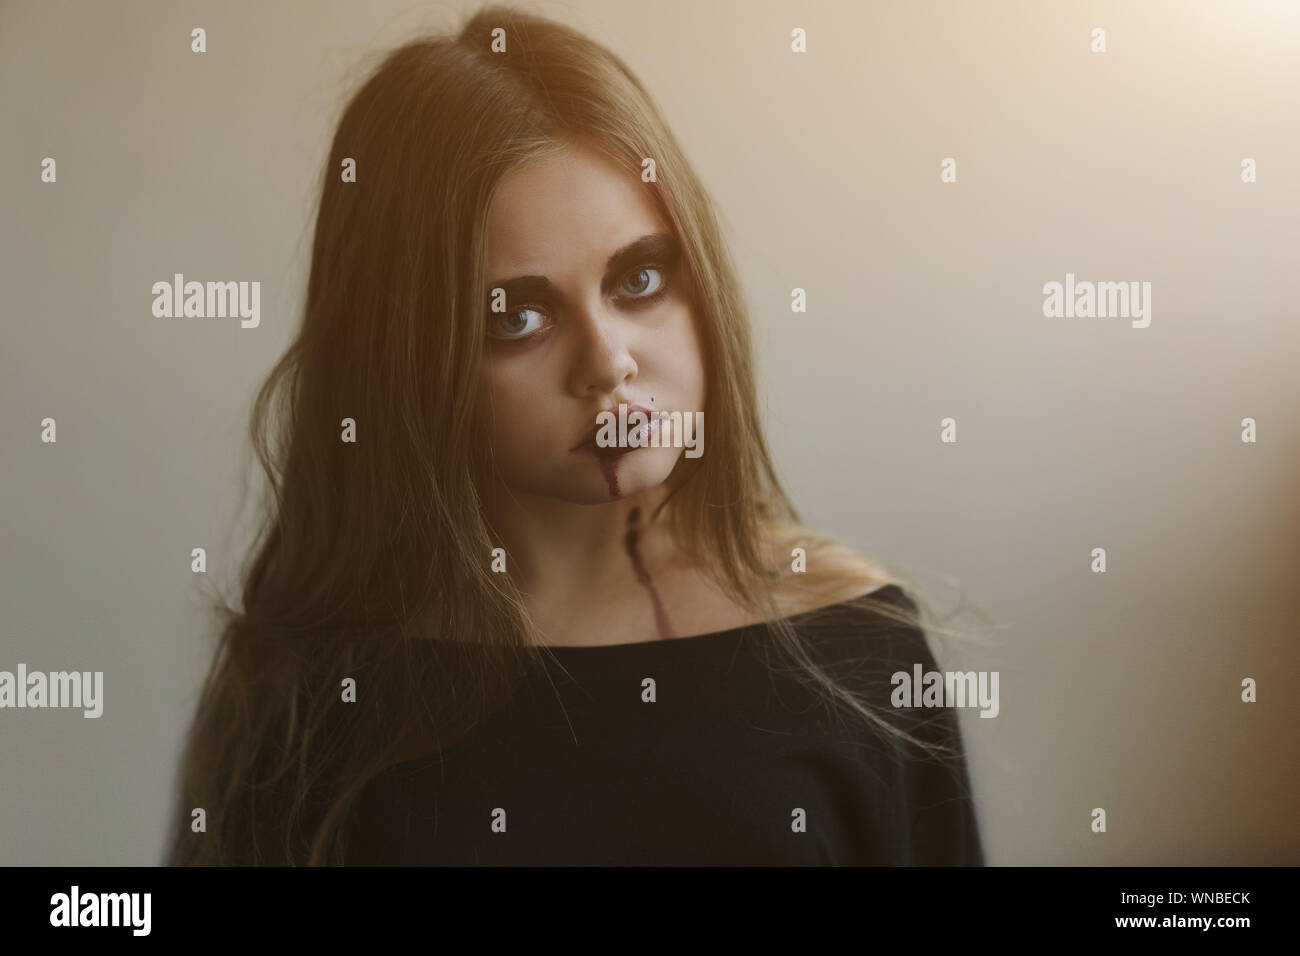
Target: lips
{"points": [[589, 443]]}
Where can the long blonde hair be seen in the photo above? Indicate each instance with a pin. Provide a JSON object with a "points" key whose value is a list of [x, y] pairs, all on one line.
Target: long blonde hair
{"points": [[368, 550]]}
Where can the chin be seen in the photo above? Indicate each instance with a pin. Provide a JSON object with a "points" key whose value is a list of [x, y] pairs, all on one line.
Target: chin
{"points": [[627, 477]]}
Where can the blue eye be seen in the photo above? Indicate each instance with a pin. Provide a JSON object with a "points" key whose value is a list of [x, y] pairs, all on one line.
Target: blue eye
{"points": [[645, 286], [511, 324], [639, 287]]}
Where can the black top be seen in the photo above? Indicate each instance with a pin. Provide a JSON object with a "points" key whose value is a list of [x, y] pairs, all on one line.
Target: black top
{"points": [[715, 771]]}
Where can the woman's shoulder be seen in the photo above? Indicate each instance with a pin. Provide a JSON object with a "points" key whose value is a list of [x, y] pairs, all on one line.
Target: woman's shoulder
{"points": [[845, 605], [816, 573]]}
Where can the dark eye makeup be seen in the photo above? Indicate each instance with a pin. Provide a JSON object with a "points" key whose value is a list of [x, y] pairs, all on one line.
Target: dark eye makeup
{"points": [[545, 303]]}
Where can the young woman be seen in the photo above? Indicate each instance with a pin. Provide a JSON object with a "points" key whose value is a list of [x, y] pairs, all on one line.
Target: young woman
{"points": [[470, 634]]}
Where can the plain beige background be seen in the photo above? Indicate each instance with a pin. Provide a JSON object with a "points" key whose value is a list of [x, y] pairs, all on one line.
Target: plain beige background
{"points": [[1118, 690]]}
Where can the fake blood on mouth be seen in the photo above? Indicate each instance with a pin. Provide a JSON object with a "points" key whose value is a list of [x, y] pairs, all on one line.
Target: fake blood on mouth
{"points": [[629, 544], [608, 458]]}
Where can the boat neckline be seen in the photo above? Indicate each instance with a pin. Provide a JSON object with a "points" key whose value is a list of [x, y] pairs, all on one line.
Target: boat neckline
{"points": [[708, 637]]}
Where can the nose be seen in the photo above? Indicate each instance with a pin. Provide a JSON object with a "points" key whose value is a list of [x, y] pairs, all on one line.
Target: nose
{"points": [[602, 360]]}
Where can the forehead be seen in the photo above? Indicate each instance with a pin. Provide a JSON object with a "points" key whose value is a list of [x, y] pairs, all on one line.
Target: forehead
{"points": [[567, 211]]}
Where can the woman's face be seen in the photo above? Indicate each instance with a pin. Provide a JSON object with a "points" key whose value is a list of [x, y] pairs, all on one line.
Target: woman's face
{"points": [[597, 313]]}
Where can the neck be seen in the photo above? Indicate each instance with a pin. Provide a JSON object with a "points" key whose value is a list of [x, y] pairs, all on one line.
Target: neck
{"points": [[558, 552]]}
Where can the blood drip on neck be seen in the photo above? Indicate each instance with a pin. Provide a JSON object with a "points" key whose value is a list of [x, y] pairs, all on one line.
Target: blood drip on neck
{"points": [[629, 544]]}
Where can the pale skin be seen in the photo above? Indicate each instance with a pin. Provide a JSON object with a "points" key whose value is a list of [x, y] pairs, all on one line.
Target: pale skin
{"points": [[599, 335]]}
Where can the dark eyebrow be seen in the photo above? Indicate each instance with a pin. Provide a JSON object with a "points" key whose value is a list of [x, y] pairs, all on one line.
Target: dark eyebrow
{"points": [[657, 247]]}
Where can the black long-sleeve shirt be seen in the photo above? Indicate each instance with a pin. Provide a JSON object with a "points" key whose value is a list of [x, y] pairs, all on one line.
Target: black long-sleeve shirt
{"points": [[720, 769]]}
